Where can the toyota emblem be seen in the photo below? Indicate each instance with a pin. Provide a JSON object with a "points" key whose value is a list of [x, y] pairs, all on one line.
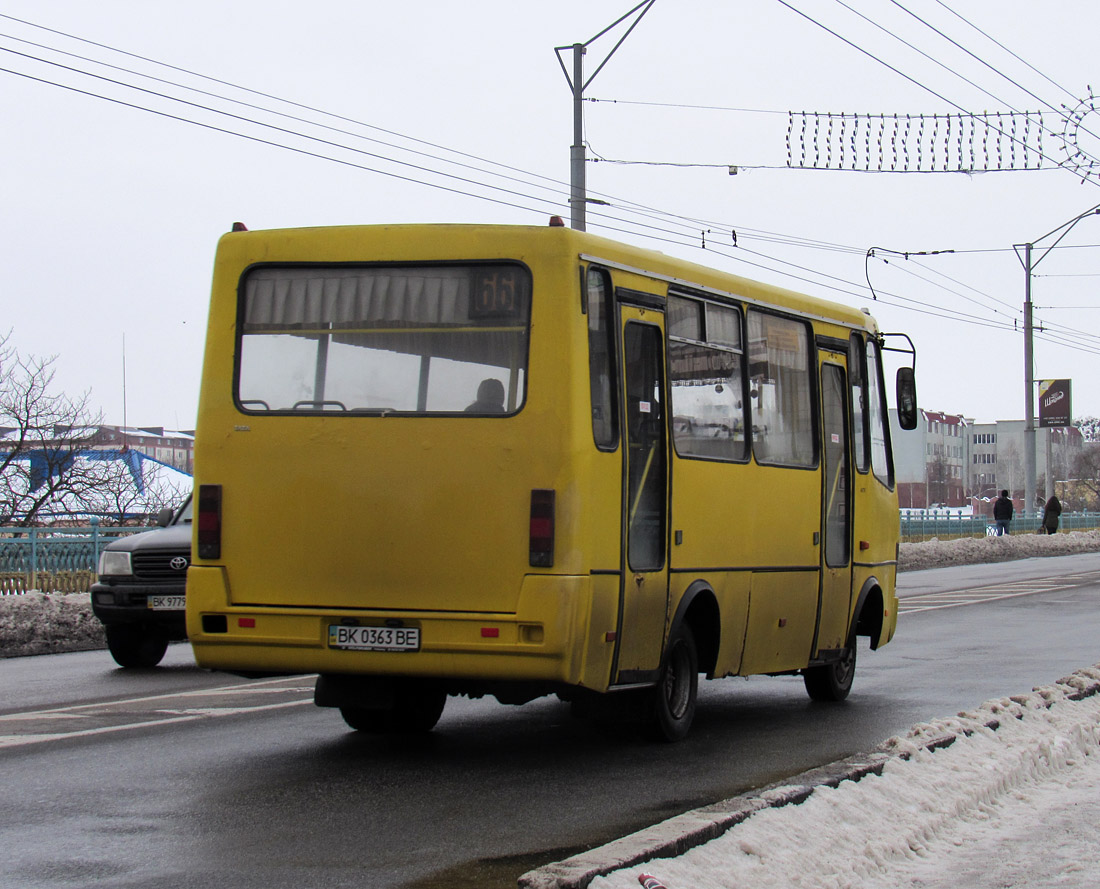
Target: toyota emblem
{"points": [[179, 563]]}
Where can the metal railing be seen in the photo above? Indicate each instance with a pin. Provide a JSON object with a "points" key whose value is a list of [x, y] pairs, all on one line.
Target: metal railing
{"points": [[915, 528], [30, 554]]}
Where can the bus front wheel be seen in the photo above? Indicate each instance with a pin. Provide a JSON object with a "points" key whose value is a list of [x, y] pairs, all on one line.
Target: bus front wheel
{"points": [[832, 682], [674, 697]]}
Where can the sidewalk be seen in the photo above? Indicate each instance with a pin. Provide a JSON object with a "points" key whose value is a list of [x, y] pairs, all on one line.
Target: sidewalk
{"points": [[1005, 795]]}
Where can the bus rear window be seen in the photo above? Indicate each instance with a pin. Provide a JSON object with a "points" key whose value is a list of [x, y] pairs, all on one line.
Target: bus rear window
{"points": [[382, 339]]}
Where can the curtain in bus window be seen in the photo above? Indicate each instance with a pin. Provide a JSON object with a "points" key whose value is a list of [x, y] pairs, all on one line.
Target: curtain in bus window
{"points": [[876, 418], [780, 390], [706, 377], [417, 339]]}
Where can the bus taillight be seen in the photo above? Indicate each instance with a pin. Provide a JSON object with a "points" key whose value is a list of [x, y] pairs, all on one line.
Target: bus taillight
{"points": [[209, 521], [542, 529]]}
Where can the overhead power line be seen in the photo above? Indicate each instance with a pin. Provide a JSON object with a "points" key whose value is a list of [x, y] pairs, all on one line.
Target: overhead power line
{"points": [[915, 81], [431, 164]]}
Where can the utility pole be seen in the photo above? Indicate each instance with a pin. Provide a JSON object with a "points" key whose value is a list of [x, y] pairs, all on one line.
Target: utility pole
{"points": [[578, 194], [577, 190], [1029, 363], [1029, 389]]}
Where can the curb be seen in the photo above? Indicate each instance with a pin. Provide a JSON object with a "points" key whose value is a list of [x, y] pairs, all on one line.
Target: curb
{"points": [[677, 835]]}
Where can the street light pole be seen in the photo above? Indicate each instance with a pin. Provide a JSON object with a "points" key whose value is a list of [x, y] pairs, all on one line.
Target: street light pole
{"points": [[1029, 360]]}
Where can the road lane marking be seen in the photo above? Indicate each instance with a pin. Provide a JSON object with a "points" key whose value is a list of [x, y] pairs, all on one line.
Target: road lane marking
{"points": [[126, 714], [992, 593], [7, 741]]}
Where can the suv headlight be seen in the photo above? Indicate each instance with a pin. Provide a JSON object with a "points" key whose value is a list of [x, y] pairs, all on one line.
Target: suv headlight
{"points": [[113, 564]]}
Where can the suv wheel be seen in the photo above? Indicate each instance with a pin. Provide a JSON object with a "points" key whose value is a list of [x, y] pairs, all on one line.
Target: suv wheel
{"points": [[136, 646]]}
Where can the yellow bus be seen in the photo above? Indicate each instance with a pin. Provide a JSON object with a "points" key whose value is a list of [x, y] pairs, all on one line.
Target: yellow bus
{"points": [[439, 460]]}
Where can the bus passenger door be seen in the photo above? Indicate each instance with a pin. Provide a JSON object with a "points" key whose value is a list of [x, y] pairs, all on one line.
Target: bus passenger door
{"points": [[644, 593], [836, 523]]}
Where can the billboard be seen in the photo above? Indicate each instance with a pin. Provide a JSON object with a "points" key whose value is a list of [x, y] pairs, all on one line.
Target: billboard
{"points": [[1054, 404]]}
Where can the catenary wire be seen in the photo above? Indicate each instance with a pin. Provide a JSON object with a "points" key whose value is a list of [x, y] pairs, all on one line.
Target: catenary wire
{"points": [[896, 70], [982, 61], [1007, 50], [562, 188], [458, 191]]}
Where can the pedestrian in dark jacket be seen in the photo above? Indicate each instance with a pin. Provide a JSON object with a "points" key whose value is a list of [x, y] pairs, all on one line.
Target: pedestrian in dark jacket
{"points": [[1002, 513], [1051, 512]]}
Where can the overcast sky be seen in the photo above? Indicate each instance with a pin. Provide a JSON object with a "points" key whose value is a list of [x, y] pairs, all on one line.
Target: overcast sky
{"points": [[111, 213]]}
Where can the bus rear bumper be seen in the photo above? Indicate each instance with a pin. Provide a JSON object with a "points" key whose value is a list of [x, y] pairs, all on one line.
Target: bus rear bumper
{"points": [[536, 643]]}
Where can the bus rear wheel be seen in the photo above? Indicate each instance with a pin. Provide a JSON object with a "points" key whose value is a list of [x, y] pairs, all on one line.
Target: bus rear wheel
{"points": [[413, 711], [674, 698], [832, 682]]}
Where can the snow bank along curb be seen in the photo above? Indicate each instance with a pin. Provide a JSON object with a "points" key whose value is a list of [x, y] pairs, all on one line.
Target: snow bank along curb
{"points": [[676, 836], [48, 623], [936, 553]]}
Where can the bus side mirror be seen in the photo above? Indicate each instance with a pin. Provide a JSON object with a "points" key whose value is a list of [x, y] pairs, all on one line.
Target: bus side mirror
{"points": [[907, 398]]}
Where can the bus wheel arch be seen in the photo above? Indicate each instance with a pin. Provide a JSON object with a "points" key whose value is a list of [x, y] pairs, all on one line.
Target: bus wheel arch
{"points": [[869, 613], [699, 610]]}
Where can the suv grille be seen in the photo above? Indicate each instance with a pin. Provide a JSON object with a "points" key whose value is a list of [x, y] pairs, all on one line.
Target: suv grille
{"points": [[157, 566]]}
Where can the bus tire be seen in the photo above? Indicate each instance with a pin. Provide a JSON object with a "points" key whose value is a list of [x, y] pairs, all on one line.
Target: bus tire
{"points": [[133, 646], [674, 698], [415, 711], [832, 682]]}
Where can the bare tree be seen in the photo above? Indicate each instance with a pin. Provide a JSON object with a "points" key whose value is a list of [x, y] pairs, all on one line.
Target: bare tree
{"points": [[42, 431], [1090, 428], [1086, 475], [128, 488], [939, 474], [1010, 469]]}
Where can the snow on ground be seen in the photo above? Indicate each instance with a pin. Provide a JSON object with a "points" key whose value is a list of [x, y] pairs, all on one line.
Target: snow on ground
{"points": [[977, 550], [41, 623], [1011, 807]]}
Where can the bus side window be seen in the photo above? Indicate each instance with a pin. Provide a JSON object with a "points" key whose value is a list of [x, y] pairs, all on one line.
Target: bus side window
{"points": [[856, 373], [705, 369], [781, 386], [601, 359]]}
